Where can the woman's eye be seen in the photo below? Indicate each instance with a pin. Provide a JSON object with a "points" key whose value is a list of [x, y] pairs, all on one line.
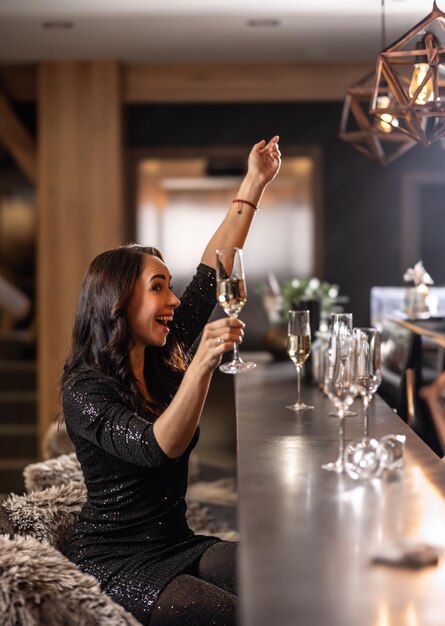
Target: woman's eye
{"points": [[156, 288], [171, 287]]}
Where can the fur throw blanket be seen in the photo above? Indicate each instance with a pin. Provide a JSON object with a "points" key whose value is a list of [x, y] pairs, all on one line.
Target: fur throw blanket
{"points": [[50, 515], [62, 470], [47, 515], [38, 585]]}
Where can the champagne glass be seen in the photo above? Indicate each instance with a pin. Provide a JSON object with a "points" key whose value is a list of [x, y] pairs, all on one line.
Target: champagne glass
{"points": [[340, 320], [366, 458], [369, 369], [232, 296], [341, 324], [341, 386], [298, 349]]}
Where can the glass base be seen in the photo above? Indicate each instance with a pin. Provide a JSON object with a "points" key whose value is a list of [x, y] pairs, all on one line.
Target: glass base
{"points": [[363, 459], [347, 414], [300, 407], [338, 466], [237, 367]]}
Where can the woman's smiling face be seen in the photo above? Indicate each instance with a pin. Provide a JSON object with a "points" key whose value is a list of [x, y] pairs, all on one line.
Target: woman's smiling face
{"points": [[152, 304]]}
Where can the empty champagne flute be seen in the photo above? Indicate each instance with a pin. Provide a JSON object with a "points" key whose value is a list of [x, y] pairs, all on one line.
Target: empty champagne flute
{"points": [[299, 349], [341, 387], [341, 324], [339, 320], [365, 459], [369, 369], [231, 295]]}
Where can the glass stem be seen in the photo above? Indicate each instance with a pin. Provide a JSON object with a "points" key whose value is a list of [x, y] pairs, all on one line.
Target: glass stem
{"points": [[235, 352], [341, 448], [236, 356], [298, 383], [366, 420]]}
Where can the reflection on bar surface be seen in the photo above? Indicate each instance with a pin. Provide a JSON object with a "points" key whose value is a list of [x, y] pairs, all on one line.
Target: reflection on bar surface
{"points": [[308, 537]]}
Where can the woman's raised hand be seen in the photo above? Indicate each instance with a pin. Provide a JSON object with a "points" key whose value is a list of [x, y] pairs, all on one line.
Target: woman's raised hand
{"points": [[218, 337], [264, 160]]}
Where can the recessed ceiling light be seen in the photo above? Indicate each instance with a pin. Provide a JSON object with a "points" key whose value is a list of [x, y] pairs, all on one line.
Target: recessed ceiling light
{"points": [[58, 25], [263, 23]]}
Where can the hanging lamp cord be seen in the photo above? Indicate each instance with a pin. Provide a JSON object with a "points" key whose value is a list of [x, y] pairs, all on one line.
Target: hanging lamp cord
{"points": [[383, 25]]}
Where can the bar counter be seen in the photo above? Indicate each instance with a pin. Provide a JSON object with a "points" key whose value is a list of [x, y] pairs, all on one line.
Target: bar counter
{"points": [[307, 535], [437, 335]]}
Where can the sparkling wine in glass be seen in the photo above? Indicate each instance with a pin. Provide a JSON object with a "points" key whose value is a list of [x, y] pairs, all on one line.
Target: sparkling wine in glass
{"points": [[299, 349], [341, 387], [231, 295]]}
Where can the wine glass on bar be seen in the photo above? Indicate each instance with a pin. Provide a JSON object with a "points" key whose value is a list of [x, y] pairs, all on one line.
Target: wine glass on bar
{"points": [[363, 458], [298, 349], [341, 387], [231, 295], [369, 369], [339, 320], [341, 324]]}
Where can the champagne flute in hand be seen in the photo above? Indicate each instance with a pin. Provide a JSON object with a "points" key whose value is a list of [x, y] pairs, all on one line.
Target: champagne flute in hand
{"points": [[232, 296], [298, 349]]}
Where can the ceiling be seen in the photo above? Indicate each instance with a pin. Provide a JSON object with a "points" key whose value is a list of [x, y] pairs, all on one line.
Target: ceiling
{"points": [[171, 31]]}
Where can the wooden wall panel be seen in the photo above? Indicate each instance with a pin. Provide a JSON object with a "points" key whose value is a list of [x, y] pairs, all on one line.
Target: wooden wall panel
{"points": [[240, 82], [80, 209]]}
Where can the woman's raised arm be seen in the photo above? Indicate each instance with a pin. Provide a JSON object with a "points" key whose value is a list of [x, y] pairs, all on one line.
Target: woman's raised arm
{"points": [[262, 167]]}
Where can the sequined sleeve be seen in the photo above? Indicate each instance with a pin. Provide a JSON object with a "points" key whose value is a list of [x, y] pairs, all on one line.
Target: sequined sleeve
{"points": [[94, 411], [197, 304]]}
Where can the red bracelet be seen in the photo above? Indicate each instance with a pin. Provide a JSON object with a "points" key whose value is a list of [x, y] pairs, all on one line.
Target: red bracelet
{"points": [[240, 202]]}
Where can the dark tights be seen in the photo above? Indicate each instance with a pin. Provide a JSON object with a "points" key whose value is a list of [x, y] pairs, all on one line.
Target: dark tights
{"points": [[204, 595]]}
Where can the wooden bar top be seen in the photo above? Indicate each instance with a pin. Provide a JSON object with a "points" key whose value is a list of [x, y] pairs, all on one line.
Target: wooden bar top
{"points": [[307, 536]]}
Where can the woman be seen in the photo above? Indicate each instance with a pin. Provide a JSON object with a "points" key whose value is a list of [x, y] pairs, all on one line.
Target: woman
{"points": [[132, 409]]}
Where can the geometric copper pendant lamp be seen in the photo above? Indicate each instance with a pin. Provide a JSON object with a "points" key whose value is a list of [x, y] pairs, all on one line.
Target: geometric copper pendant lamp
{"points": [[411, 72], [376, 136]]}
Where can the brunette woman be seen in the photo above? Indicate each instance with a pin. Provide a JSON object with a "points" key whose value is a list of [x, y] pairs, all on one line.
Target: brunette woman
{"points": [[132, 399]]}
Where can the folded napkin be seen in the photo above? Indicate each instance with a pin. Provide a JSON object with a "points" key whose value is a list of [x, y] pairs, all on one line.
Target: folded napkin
{"points": [[408, 554]]}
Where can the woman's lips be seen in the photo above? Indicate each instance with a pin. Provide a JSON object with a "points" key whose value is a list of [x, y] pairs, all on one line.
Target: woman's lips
{"points": [[163, 325]]}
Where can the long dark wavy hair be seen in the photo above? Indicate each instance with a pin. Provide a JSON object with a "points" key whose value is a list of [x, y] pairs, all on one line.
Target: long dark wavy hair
{"points": [[101, 341]]}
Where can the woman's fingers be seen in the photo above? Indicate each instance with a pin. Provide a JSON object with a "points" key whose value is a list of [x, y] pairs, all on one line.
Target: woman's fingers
{"points": [[229, 337], [226, 336], [221, 334], [271, 156], [273, 144], [218, 337], [259, 146], [224, 322]]}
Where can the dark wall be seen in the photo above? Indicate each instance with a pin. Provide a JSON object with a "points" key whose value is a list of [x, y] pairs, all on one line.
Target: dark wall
{"points": [[364, 218], [362, 201]]}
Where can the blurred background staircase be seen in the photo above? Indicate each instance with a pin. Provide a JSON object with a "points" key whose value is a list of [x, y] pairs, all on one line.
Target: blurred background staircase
{"points": [[18, 408]]}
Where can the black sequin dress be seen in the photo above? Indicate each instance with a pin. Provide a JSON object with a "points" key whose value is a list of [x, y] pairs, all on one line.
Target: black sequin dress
{"points": [[132, 534]]}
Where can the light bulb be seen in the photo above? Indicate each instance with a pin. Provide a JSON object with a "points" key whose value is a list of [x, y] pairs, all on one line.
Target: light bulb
{"points": [[426, 94], [385, 120]]}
